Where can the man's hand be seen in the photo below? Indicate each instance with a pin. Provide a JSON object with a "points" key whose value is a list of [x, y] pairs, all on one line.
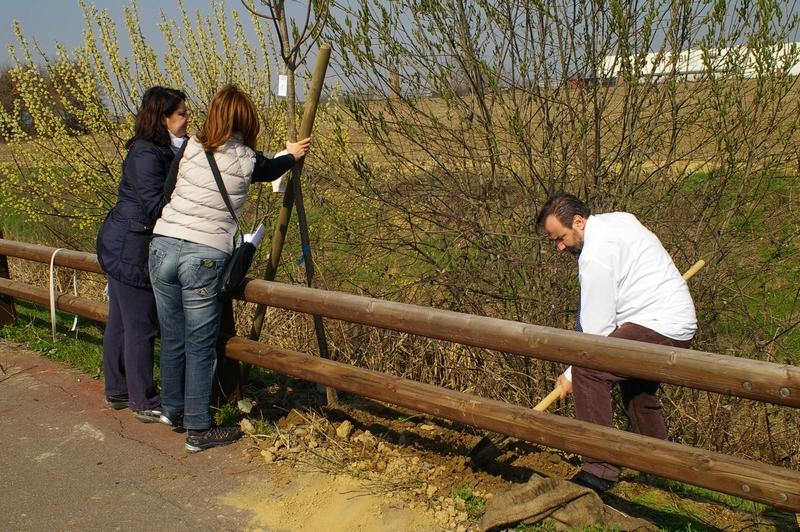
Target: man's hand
{"points": [[566, 386]]}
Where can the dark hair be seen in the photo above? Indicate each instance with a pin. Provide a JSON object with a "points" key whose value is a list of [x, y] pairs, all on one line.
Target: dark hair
{"points": [[230, 110], [564, 207], [157, 102]]}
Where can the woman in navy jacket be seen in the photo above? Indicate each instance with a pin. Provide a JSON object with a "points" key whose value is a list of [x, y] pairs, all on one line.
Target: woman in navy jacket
{"points": [[122, 250]]}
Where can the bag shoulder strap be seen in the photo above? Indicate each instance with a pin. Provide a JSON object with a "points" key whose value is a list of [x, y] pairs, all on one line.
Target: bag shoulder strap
{"points": [[218, 178], [172, 176]]}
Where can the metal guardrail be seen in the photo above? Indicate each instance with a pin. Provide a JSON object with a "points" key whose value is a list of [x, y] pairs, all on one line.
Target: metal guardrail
{"points": [[762, 381]]}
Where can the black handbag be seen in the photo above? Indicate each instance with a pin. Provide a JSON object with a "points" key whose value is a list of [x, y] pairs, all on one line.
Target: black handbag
{"points": [[235, 271]]}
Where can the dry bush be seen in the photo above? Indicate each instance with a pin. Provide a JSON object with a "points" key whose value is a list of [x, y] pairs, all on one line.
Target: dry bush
{"points": [[89, 285], [732, 425]]}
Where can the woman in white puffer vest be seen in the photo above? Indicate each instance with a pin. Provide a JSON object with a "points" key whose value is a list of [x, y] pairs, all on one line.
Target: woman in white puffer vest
{"points": [[192, 243]]}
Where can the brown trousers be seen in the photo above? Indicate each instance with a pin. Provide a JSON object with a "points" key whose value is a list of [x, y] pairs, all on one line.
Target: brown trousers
{"points": [[591, 391]]}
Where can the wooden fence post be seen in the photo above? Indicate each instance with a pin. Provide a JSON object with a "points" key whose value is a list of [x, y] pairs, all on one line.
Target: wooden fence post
{"points": [[292, 186], [227, 385], [8, 314]]}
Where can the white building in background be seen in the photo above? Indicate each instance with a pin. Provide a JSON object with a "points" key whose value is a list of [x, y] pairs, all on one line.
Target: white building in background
{"points": [[693, 65]]}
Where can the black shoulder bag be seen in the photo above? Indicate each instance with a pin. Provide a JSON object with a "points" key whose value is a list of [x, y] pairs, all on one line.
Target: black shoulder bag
{"points": [[231, 278]]}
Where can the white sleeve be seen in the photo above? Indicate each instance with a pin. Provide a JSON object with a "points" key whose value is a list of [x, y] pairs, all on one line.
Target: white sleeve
{"points": [[598, 298]]}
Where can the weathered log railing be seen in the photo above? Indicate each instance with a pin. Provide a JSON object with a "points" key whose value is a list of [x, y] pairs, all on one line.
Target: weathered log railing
{"points": [[779, 384]]}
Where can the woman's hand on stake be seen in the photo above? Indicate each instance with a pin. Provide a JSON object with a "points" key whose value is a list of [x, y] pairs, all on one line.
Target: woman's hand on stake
{"points": [[299, 148]]}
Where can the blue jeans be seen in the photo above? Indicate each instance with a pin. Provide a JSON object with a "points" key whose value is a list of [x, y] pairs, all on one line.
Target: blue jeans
{"points": [[185, 276]]}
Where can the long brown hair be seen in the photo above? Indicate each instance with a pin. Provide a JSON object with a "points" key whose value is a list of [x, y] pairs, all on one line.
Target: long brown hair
{"points": [[230, 110], [157, 103]]}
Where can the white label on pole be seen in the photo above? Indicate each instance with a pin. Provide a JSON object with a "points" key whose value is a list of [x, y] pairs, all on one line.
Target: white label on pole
{"points": [[283, 82]]}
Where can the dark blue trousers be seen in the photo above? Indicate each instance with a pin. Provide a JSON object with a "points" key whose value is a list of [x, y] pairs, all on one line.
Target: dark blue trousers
{"points": [[128, 344]]}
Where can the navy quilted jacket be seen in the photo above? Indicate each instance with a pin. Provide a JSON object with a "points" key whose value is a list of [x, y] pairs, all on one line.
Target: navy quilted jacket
{"points": [[124, 239]]}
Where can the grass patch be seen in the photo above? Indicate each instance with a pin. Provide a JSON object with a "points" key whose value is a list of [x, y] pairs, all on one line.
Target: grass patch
{"points": [[714, 496], [258, 376], [227, 416], [473, 505], [82, 348], [263, 426], [544, 527], [15, 226]]}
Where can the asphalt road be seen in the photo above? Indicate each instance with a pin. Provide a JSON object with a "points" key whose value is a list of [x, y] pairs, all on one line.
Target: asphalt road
{"points": [[69, 462]]}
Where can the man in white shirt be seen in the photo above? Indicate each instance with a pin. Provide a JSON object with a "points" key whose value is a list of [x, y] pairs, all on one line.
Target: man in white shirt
{"points": [[630, 289]]}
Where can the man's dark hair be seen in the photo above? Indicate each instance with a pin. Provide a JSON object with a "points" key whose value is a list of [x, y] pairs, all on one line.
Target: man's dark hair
{"points": [[564, 207]]}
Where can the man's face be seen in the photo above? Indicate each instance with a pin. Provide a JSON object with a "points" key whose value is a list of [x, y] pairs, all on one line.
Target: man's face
{"points": [[566, 238]]}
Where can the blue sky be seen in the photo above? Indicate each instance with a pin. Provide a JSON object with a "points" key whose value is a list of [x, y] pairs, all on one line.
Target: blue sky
{"points": [[51, 21], [48, 21]]}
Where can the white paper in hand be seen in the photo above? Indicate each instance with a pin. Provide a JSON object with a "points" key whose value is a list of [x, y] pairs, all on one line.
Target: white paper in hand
{"points": [[255, 238]]}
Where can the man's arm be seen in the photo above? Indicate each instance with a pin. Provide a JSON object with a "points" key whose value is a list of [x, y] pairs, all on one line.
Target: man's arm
{"points": [[598, 308], [599, 298]]}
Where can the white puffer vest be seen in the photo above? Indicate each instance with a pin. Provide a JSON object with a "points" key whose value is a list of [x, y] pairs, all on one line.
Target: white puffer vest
{"points": [[196, 212]]}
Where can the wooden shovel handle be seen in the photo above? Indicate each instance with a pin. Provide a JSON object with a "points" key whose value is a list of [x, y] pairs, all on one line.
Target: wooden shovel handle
{"points": [[694, 269], [555, 394], [547, 401]]}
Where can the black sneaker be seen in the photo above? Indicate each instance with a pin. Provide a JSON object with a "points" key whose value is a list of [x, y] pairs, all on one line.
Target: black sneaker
{"points": [[595, 483], [171, 420], [117, 402], [197, 440], [148, 416]]}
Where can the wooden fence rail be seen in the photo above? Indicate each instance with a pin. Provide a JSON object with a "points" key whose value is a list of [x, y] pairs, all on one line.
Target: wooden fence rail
{"points": [[763, 381], [753, 379], [736, 476]]}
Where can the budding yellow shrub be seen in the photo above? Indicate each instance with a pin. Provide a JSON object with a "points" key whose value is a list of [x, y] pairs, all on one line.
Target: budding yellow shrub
{"points": [[67, 130]]}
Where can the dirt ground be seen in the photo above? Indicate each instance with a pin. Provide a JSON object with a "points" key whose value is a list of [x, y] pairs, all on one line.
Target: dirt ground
{"points": [[416, 461], [71, 463]]}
